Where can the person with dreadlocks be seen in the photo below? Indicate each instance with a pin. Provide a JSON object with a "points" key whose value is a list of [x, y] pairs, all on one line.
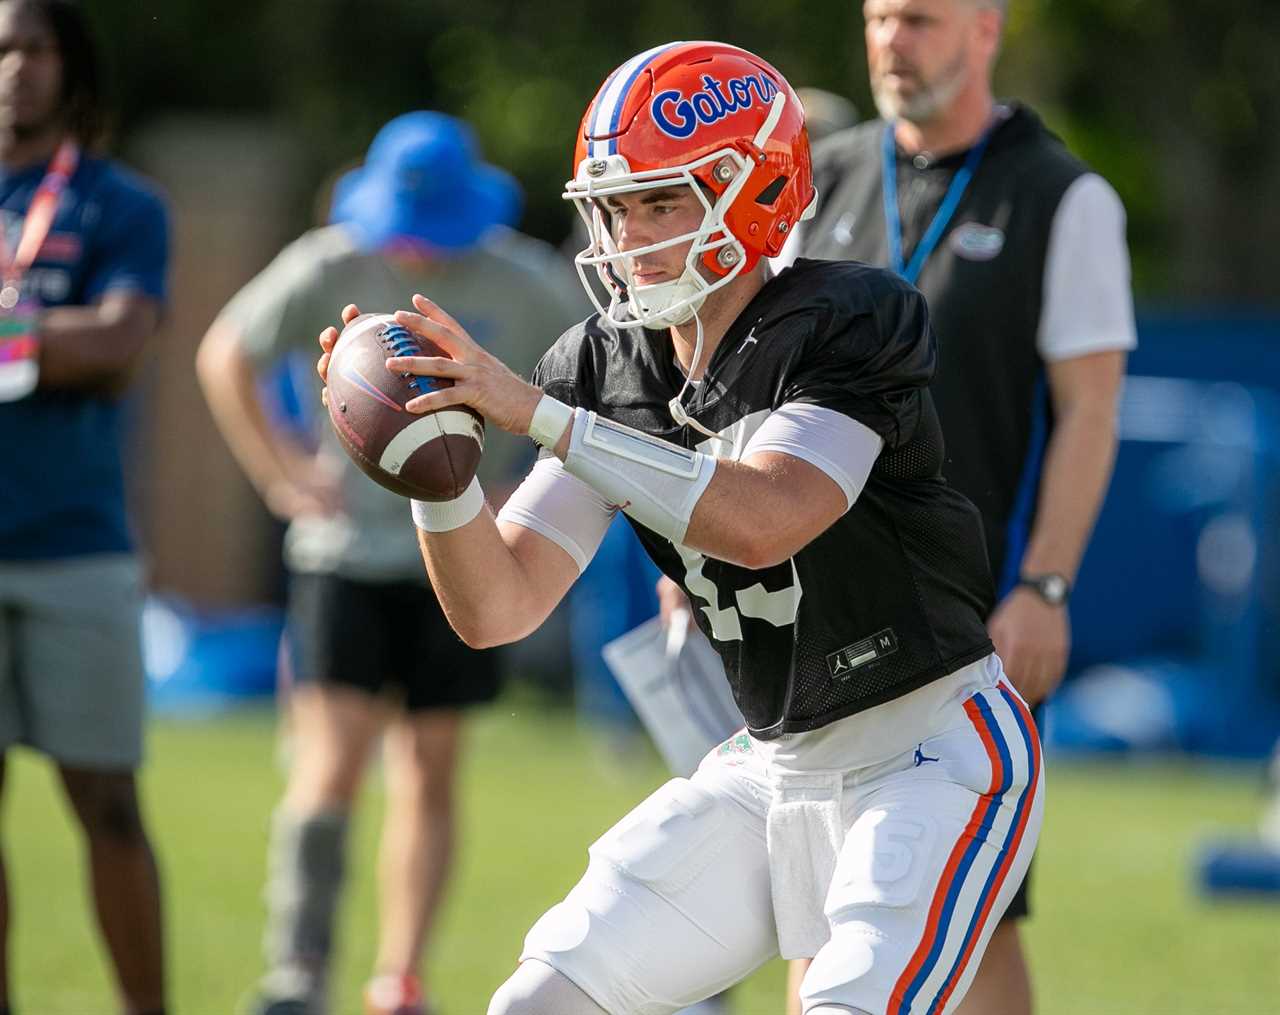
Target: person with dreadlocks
{"points": [[83, 253]]}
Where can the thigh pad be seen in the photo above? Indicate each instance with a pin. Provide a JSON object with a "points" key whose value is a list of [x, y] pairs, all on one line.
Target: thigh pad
{"points": [[669, 840]]}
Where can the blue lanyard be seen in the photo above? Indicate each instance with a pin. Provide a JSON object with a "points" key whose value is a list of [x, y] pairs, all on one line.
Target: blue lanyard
{"points": [[893, 218]]}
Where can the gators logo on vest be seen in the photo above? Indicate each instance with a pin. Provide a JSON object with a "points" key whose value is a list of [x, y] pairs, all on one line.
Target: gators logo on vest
{"points": [[976, 242], [678, 115]]}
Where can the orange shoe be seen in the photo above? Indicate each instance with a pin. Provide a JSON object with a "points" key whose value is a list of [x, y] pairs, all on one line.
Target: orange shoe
{"points": [[388, 994]]}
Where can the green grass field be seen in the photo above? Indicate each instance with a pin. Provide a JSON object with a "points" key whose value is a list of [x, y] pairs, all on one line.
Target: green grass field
{"points": [[1118, 928]]}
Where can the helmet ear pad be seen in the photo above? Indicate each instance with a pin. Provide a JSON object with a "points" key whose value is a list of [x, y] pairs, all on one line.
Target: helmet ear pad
{"points": [[751, 215], [769, 205]]}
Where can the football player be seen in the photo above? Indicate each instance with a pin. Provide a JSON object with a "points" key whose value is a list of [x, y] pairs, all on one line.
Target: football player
{"points": [[773, 443]]}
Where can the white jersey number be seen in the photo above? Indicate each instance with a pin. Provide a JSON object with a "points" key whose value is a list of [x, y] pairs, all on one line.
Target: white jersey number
{"points": [[778, 608]]}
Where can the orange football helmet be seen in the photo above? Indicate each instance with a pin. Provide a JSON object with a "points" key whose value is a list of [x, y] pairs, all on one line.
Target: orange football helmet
{"points": [[705, 115]]}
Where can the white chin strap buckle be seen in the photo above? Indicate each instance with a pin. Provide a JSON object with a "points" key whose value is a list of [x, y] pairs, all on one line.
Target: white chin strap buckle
{"points": [[682, 418], [676, 405]]}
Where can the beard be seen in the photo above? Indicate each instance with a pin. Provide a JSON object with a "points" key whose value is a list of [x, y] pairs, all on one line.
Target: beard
{"points": [[929, 100]]}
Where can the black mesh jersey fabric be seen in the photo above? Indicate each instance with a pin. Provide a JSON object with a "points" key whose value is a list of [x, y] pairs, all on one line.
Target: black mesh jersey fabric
{"points": [[892, 595]]}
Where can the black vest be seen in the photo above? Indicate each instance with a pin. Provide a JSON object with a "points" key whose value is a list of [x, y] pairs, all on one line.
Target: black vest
{"points": [[984, 285]]}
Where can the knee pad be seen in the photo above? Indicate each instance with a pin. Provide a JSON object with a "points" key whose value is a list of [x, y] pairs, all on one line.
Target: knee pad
{"points": [[647, 930], [662, 842], [537, 989]]}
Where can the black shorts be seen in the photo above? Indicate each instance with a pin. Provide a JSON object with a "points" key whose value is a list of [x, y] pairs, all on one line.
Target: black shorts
{"points": [[387, 638], [1020, 904]]}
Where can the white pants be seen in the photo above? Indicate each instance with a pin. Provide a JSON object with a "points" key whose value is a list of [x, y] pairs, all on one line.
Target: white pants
{"points": [[678, 901]]}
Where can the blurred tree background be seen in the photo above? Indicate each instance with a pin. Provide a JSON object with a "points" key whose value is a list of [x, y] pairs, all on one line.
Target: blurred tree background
{"points": [[1176, 101]]}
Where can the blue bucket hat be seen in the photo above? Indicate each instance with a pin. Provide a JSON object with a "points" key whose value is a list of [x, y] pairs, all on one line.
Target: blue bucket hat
{"points": [[423, 180]]}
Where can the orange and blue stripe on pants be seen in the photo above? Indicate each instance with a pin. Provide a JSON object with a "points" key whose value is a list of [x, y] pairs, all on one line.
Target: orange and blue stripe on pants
{"points": [[908, 996]]}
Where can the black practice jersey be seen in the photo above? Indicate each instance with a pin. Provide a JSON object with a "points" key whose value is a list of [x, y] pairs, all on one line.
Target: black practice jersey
{"points": [[892, 595]]}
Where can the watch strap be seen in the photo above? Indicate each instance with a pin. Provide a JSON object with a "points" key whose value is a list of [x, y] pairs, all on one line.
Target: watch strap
{"points": [[1052, 587]]}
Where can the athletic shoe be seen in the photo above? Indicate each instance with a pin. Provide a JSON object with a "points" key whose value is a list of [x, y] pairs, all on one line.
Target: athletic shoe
{"points": [[290, 990], [282, 1006], [389, 994]]}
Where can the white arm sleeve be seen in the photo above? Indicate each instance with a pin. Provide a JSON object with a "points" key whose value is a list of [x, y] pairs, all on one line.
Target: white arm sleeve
{"points": [[562, 508], [840, 446], [1088, 301]]}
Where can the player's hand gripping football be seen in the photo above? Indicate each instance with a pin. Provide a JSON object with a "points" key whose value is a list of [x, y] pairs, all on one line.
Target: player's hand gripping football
{"points": [[480, 380]]}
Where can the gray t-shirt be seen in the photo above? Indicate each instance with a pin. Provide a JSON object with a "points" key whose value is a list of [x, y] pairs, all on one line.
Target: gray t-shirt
{"points": [[514, 294]]}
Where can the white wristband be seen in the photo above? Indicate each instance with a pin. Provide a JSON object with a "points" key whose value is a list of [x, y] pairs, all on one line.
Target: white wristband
{"points": [[444, 515], [550, 420]]}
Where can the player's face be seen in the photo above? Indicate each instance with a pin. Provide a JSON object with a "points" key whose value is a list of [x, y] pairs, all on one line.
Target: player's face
{"points": [[919, 53], [30, 71], [648, 217]]}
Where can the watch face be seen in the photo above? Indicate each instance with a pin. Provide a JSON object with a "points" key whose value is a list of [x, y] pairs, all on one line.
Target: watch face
{"points": [[1051, 587]]}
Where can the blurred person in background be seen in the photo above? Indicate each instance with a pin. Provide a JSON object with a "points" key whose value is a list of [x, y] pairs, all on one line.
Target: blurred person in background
{"points": [[825, 113], [1020, 251], [85, 251], [368, 646]]}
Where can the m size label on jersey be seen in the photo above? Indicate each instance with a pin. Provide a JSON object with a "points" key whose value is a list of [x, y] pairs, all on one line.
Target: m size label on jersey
{"points": [[843, 663]]}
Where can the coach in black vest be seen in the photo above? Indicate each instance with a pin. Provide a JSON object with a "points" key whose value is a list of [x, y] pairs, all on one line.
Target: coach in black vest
{"points": [[1020, 250]]}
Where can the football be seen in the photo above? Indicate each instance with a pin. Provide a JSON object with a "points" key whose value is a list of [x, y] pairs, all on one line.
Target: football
{"points": [[427, 456]]}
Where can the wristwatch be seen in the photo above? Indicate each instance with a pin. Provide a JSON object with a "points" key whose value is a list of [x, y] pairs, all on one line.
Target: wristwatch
{"points": [[1052, 587]]}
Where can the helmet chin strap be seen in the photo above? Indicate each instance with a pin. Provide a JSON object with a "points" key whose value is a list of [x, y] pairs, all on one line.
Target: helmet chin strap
{"points": [[676, 405], [652, 304]]}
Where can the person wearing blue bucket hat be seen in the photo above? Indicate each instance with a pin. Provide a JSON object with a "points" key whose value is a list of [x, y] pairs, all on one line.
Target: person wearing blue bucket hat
{"points": [[423, 213], [423, 182]]}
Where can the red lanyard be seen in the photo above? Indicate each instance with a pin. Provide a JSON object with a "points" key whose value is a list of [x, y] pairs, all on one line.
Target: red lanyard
{"points": [[40, 215]]}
